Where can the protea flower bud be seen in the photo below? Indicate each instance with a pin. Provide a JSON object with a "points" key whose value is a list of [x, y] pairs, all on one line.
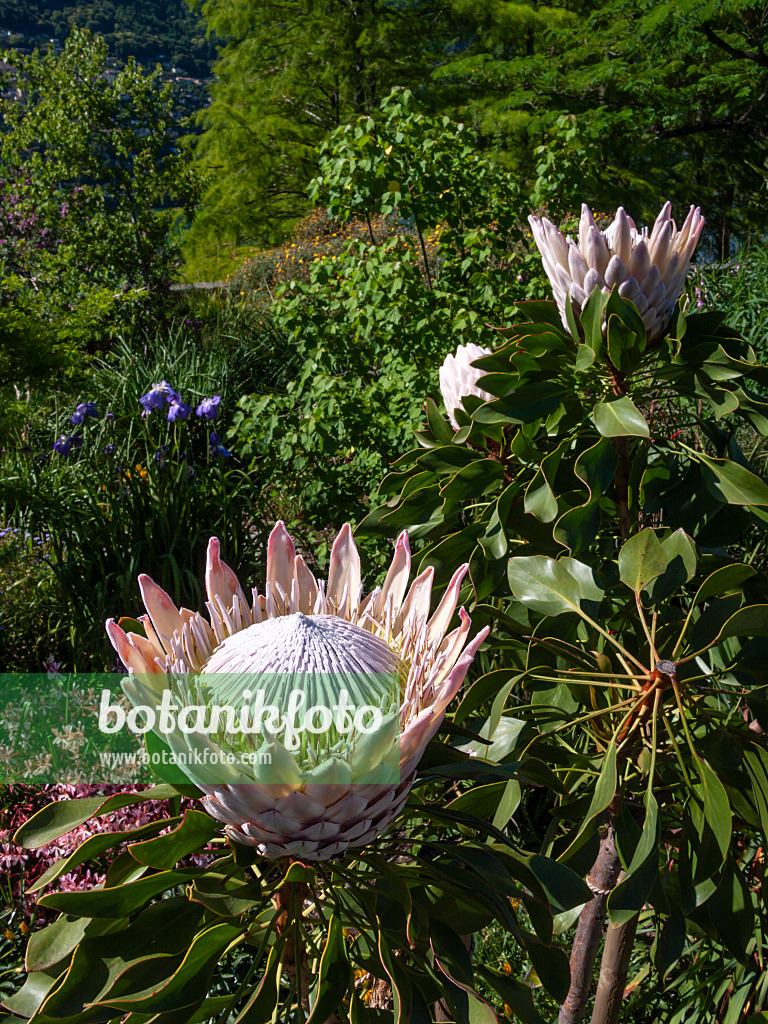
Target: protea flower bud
{"points": [[302, 645], [649, 271], [458, 378]]}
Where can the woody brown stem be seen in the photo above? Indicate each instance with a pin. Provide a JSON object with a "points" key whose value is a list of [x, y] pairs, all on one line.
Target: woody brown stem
{"points": [[589, 931]]}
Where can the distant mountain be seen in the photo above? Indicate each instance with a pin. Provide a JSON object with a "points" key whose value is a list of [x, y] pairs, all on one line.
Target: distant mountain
{"points": [[165, 31]]}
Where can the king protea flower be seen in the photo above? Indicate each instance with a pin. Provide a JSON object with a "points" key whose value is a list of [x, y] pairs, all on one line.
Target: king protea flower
{"points": [[385, 649], [650, 271], [458, 378]]}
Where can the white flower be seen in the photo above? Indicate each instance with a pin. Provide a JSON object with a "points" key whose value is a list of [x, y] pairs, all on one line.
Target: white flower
{"points": [[649, 271], [334, 791], [459, 379]]}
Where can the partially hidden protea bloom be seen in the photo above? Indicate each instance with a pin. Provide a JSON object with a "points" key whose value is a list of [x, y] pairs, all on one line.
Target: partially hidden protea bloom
{"points": [[458, 378], [650, 271], [319, 794]]}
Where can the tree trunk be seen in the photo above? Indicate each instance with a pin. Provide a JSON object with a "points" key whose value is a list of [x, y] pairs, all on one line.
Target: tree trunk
{"points": [[601, 879]]}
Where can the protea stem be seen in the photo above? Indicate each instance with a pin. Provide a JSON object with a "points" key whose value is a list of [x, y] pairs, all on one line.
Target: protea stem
{"points": [[614, 967], [601, 879], [289, 900]]}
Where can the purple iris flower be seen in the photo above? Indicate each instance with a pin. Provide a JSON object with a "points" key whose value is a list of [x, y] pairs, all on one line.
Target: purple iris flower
{"points": [[209, 407], [214, 438], [110, 417], [109, 449], [83, 410], [158, 396], [65, 444], [178, 411], [217, 449]]}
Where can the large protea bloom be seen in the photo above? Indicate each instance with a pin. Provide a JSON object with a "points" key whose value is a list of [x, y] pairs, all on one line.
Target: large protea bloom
{"points": [[458, 379], [648, 270], [314, 798]]}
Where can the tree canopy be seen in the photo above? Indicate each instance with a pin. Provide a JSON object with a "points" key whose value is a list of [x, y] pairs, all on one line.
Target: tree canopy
{"points": [[149, 30], [620, 102], [290, 73]]}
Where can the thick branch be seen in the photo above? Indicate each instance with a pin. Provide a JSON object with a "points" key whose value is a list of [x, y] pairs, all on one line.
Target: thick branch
{"points": [[613, 972], [713, 37], [589, 931]]}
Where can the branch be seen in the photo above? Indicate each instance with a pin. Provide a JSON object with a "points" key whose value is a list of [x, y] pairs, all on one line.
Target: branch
{"points": [[756, 57]]}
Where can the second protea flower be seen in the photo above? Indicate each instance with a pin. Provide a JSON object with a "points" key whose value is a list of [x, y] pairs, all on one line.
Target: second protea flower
{"points": [[458, 379], [372, 674], [649, 270]]}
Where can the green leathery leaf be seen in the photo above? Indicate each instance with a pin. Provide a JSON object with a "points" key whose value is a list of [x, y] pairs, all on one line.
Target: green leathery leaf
{"points": [[473, 480], [730, 908], [508, 804], [751, 620], [682, 559], [48, 946], [670, 942], [120, 901], [531, 402], [722, 402], [543, 584], [604, 792], [641, 559], [726, 580], [480, 1012], [592, 320], [263, 1004], [401, 987], [540, 311], [333, 978], [440, 428], [58, 818], [577, 528], [36, 987], [482, 801], [585, 358], [451, 954], [447, 459], [631, 894], [619, 417], [563, 887], [483, 689], [596, 466], [551, 965], [628, 313], [570, 317], [540, 500], [229, 902], [731, 482], [154, 943], [188, 983], [717, 809], [94, 846], [623, 345], [514, 993], [196, 830], [589, 586]]}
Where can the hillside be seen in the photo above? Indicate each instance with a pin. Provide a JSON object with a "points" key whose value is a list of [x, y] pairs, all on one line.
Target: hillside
{"points": [[149, 30]]}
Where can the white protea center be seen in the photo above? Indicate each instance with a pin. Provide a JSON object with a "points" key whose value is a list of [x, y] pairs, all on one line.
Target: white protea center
{"points": [[340, 781], [458, 379], [648, 269]]}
